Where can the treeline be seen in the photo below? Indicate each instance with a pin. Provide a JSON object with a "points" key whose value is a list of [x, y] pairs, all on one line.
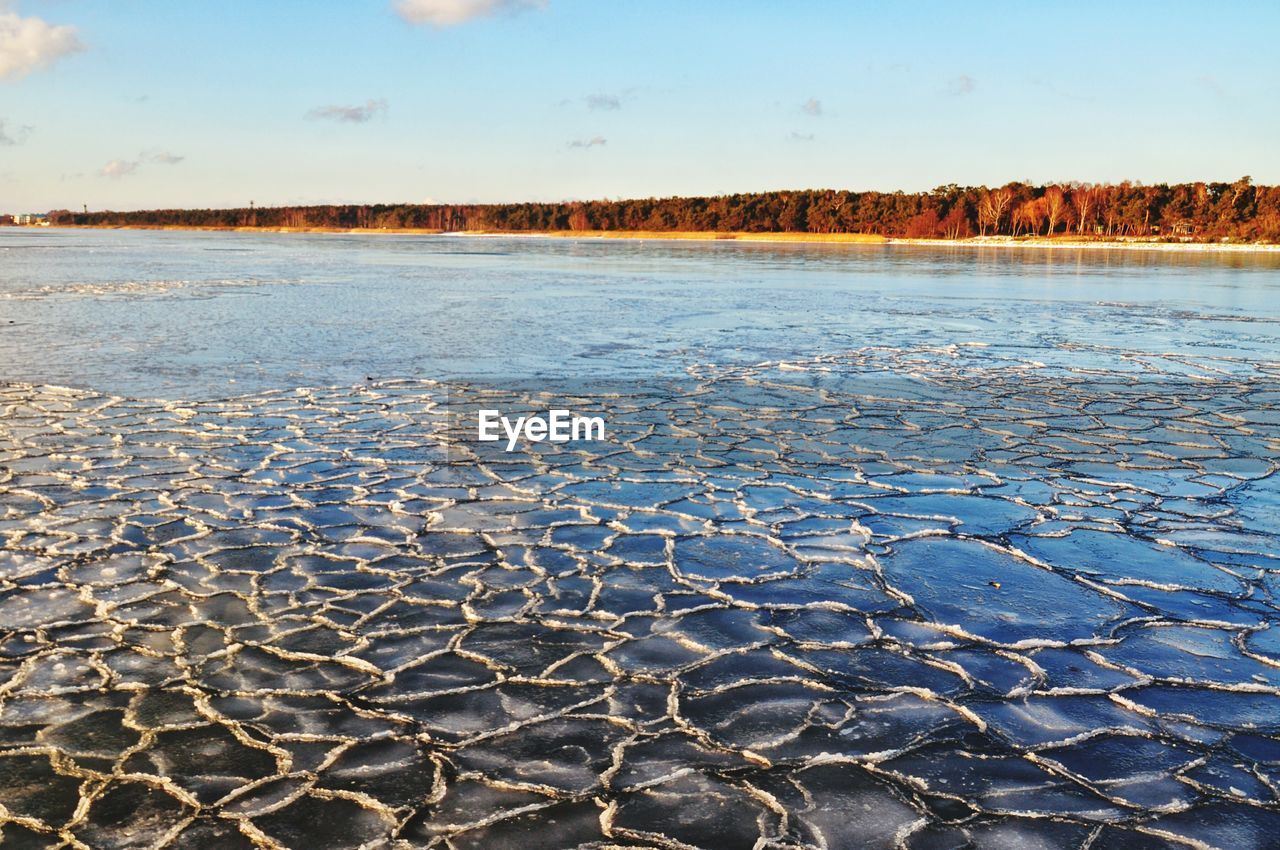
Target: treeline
{"points": [[1238, 211]]}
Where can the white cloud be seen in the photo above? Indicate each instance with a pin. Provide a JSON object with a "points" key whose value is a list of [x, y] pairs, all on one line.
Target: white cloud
{"points": [[359, 114], [448, 13], [961, 85], [30, 43], [593, 142], [14, 136], [812, 106], [118, 168], [602, 101]]}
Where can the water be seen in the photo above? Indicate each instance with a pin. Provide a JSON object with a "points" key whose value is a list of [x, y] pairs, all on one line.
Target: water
{"points": [[886, 546], [175, 315]]}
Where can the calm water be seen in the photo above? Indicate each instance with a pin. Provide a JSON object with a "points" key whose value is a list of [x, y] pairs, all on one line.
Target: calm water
{"points": [[886, 547], [199, 315]]}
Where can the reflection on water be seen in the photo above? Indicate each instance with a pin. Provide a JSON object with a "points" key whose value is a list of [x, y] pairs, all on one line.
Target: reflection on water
{"points": [[886, 547]]}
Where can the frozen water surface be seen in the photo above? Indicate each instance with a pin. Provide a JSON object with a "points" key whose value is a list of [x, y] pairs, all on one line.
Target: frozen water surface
{"points": [[886, 547]]}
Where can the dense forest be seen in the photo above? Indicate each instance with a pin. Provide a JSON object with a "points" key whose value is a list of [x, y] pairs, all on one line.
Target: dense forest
{"points": [[1238, 211]]}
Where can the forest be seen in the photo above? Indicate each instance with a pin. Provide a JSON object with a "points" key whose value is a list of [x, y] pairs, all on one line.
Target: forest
{"points": [[1238, 212]]}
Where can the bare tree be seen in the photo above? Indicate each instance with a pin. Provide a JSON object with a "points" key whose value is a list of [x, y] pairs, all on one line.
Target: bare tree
{"points": [[991, 207], [1110, 204], [1031, 214], [1055, 206], [956, 224], [1084, 198]]}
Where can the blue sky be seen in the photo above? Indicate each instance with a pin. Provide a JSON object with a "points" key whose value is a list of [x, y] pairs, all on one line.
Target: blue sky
{"points": [[128, 104]]}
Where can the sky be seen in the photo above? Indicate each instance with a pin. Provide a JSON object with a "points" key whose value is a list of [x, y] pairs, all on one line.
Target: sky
{"points": [[135, 104]]}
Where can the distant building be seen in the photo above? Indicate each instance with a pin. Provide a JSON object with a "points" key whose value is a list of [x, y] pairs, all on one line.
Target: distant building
{"points": [[32, 219]]}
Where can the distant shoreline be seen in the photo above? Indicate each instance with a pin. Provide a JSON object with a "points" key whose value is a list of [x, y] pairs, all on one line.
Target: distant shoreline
{"points": [[1059, 242]]}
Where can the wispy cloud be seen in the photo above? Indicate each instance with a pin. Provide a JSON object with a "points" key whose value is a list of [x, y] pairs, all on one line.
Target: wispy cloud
{"points": [[14, 136], [961, 85], [449, 13], [603, 102], [359, 114], [593, 142], [801, 137], [1052, 89], [30, 43], [1211, 84], [812, 106], [118, 168]]}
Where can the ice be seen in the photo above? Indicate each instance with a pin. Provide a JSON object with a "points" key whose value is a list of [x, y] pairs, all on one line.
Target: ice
{"points": [[897, 593]]}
